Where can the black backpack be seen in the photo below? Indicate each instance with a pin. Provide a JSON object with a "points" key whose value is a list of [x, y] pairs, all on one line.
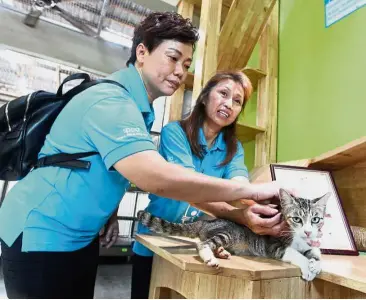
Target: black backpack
{"points": [[24, 124]]}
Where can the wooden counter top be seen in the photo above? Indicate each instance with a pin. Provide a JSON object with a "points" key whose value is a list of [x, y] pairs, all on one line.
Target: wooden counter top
{"points": [[182, 252], [347, 271]]}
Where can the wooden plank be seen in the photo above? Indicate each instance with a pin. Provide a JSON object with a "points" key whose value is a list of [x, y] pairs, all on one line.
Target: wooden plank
{"points": [[253, 20], [263, 173], [257, 26], [175, 101], [188, 83], [243, 26], [351, 186], [185, 8], [320, 289], [345, 271], [168, 281], [233, 31], [254, 75], [246, 133], [236, 288], [207, 46], [198, 4], [168, 276], [181, 270], [176, 104], [265, 151], [182, 253], [343, 156], [284, 288]]}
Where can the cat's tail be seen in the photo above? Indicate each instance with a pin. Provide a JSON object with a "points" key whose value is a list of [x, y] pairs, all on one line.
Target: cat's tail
{"points": [[159, 225]]}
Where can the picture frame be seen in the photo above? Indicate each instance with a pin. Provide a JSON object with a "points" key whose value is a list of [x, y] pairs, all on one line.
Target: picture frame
{"points": [[310, 183]]}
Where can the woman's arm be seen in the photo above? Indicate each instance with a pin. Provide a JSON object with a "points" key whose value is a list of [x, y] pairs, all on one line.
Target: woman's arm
{"points": [[220, 209], [150, 172], [123, 143], [248, 215]]}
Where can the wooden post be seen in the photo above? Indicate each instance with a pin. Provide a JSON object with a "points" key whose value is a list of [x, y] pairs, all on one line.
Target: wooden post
{"points": [[175, 102], [207, 46], [266, 143], [241, 31]]}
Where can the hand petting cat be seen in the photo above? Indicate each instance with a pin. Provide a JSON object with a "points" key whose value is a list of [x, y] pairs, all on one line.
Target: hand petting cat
{"points": [[262, 219]]}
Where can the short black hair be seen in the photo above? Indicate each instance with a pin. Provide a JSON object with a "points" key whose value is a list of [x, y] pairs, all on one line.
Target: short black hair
{"points": [[160, 26]]}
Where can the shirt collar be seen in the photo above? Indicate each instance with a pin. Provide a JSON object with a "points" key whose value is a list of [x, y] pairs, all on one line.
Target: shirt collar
{"points": [[219, 143], [132, 81]]}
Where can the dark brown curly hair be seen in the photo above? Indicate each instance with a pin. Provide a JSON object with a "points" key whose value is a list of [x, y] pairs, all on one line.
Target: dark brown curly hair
{"points": [[192, 124], [160, 26]]}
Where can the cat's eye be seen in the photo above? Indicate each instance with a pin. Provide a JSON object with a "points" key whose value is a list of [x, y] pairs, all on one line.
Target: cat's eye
{"points": [[296, 219], [315, 220]]}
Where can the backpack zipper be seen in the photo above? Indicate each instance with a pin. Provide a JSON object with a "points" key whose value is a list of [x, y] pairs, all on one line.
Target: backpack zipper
{"points": [[26, 108], [25, 113]]}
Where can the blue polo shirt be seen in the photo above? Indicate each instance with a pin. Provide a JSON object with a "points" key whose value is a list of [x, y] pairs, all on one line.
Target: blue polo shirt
{"points": [[175, 148], [60, 209]]}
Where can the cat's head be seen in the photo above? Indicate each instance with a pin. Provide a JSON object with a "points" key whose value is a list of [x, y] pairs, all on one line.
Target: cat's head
{"points": [[305, 217]]}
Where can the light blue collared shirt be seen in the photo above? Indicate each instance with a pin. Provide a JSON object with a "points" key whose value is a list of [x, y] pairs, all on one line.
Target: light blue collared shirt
{"points": [[59, 209], [175, 148]]}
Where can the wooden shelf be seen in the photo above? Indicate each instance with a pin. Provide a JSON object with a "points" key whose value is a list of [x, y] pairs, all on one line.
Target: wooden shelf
{"points": [[189, 81], [181, 251], [246, 133], [254, 75], [346, 271], [341, 157]]}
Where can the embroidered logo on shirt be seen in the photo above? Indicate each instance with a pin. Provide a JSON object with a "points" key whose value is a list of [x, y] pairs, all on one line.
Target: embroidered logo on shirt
{"points": [[133, 131], [171, 159]]}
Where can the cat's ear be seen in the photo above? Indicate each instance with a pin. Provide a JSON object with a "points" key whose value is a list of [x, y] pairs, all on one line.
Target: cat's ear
{"points": [[285, 198], [322, 201]]}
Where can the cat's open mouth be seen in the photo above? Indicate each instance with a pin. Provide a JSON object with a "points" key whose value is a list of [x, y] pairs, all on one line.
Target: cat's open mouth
{"points": [[313, 242]]}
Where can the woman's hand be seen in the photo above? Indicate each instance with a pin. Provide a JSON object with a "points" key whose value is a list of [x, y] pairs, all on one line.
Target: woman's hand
{"points": [[261, 219], [268, 190], [109, 233]]}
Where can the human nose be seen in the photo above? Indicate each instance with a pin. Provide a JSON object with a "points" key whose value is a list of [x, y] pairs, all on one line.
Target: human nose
{"points": [[229, 103], [179, 70]]}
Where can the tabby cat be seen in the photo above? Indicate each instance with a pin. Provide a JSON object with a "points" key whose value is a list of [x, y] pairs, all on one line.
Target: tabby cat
{"points": [[221, 238]]}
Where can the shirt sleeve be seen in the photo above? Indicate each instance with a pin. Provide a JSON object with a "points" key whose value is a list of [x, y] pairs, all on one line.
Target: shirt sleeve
{"points": [[236, 166], [174, 146], [116, 129]]}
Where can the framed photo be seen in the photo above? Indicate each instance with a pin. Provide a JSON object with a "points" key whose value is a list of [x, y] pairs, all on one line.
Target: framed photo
{"points": [[309, 183]]}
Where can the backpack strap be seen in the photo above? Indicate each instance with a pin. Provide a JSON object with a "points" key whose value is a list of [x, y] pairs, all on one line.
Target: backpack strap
{"points": [[76, 76], [83, 86], [71, 161]]}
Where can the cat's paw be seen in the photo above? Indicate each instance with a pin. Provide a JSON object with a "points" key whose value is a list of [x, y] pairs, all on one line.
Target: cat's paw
{"points": [[212, 262], [306, 272], [315, 266], [314, 253], [222, 253], [208, 257]]}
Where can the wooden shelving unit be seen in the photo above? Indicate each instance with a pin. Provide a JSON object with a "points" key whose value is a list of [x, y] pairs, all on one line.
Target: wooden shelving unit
{"points": [[189, 81], [246, 133], [342, 276], [254, 75]]}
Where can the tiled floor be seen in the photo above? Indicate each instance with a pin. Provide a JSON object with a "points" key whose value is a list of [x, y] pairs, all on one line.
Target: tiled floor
{"points": [[2, 287], [113, 281]]}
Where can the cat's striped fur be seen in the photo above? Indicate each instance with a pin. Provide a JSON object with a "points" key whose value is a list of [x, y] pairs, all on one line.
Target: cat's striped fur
{"points": [[221, 238]]}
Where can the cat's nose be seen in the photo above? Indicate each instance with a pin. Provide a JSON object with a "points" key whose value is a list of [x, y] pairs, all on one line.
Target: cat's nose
{"points": [[307, 233]]}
